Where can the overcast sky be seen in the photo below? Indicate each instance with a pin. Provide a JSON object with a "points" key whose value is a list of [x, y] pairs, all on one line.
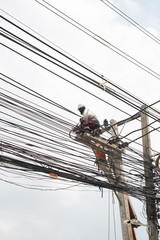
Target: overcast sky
{"points": [[32, 214]]}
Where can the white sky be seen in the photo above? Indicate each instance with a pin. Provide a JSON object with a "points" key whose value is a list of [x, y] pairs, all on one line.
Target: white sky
{"points": [[28, 214]]}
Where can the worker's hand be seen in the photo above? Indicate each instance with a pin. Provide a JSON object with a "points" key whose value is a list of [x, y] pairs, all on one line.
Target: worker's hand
{"points": [[76, 128], [81, 120]]}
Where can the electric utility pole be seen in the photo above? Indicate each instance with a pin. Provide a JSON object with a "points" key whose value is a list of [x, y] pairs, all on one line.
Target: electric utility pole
{"points": [[115, 155], [127, 232], [148, 170]]}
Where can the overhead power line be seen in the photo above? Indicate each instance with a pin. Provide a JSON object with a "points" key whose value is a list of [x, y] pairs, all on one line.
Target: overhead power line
{"points": [[96, 84], [37, 142], [23, 88], [99, 39], [130, 20], [81, 65], [116, 97], [21, 41], [65, 67]]}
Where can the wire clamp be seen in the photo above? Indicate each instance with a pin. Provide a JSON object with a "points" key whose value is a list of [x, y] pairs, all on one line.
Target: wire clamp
{"points": [[103, 84]]}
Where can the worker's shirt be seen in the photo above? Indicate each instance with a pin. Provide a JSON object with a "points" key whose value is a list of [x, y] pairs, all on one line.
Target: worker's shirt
{"points": [[89, 116]]}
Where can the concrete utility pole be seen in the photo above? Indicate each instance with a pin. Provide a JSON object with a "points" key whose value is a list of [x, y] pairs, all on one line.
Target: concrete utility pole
{"points": [[148, 170], [123, 199]]}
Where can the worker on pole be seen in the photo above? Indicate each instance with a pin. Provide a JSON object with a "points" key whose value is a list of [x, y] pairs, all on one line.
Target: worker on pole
{"points": [[88, 122]]}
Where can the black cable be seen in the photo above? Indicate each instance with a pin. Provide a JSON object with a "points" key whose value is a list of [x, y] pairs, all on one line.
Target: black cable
{"points": [[155, 129], [116, 96], [61, 77], [99, 75], [128, 188], [95, 83]]}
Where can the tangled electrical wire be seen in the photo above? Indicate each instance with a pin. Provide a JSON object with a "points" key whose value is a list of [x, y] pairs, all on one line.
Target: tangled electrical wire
{"points": [[35, 144], [35, 141]]}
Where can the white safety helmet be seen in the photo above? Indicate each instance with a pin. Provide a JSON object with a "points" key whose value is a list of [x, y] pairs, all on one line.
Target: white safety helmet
{"points": [[80, 106]]}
